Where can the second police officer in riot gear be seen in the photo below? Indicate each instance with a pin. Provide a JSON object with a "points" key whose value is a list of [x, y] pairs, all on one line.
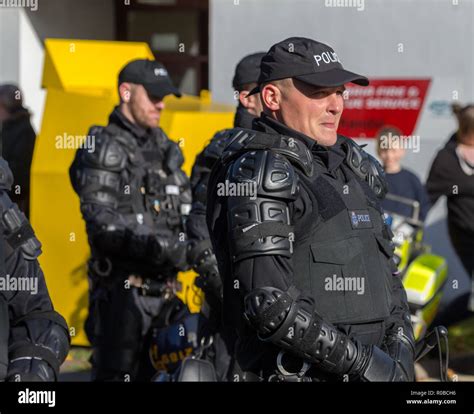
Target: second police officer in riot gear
{"points": [[201, 255], [302, 246], [133, 197]]}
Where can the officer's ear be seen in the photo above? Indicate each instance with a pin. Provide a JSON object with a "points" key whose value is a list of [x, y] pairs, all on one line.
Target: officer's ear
{"points": [[125, 92], [244, 99], [271, 97]]}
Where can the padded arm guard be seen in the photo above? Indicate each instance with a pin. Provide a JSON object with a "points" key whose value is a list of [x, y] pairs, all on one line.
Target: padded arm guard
{"points": [[96, 177], [39, 344], [289, 322], [261, 184]]}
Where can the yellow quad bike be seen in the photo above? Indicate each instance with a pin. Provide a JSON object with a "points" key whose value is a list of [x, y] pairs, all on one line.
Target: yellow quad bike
{"points": [[424, 274]]}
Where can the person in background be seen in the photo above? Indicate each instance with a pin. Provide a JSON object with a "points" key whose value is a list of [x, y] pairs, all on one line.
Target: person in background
{"points": [[400, 181], [18, 138], [245, 79], [452, 175]]}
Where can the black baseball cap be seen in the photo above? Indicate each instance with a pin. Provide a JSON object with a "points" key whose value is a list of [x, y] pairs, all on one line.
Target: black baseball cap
{"points": [[308, 61], [247, 70], [151, 74]]}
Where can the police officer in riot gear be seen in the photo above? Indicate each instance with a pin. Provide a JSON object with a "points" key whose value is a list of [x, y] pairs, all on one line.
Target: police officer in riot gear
{"points": [[134, 196], [304, 252], [34, 338], [201, 255], [245, 79]]}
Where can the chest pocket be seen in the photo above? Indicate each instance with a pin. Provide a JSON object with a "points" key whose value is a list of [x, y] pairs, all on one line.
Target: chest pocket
{"points": [[346, 285], [153, 181]]}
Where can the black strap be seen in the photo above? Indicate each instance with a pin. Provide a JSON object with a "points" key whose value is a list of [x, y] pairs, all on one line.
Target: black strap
{"points": [[20, 235], [28, 350], [96, 187], [264, 141], [247, 234], [4, 334], [310, 336], [50, 315], [283, 302]]}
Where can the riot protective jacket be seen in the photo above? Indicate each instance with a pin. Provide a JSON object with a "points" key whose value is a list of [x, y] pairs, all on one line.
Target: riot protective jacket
{"points": [[286, 213], [134, 197]]}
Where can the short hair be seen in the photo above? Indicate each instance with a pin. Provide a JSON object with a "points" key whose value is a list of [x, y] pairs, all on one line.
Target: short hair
{"points": [[466, 120]]}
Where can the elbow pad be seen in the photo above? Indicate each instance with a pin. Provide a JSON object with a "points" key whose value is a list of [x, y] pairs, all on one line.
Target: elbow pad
{"points": [[291, 324]]}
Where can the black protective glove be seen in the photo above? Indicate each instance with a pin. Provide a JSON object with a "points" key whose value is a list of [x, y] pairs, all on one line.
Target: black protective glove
{"points": [[401, 348], [165, 251], [203, 260], [375, 365]]}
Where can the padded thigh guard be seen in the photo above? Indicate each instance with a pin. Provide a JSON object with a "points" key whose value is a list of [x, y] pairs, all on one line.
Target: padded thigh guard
{"points": [[261, 185]]}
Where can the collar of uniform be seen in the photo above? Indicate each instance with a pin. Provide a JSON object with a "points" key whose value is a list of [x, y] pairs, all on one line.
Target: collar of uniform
{"points": [[243, 118], [331, 156], [268, 124], [117, 117]]}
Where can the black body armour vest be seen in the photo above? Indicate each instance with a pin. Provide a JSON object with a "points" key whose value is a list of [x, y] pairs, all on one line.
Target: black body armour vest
{"points": [[342, 255], [345, 258], [160, 192], [144, 183]]}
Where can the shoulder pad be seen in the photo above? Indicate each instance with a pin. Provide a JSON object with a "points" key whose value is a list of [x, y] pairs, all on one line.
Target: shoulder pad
{"points": [[108, 154], [268, 172], [216, 146], [365, 166], [247, 139], [96, 130], [6, 176], [18, 232]]}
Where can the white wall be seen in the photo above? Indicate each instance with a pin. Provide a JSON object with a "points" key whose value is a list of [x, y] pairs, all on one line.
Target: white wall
{"points": [[31, 59], [9, 45]]}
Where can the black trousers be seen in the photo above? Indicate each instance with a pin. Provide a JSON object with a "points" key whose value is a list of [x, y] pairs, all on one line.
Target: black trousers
{"points": [[117, 326], [463, 243], [457, 310]]}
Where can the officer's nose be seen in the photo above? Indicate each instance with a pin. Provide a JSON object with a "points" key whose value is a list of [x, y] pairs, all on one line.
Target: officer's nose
{"points": [[335, 103], [160, 105]]}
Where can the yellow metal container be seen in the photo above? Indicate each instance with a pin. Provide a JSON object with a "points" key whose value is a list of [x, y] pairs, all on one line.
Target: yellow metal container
{"points": [[81, 81]]}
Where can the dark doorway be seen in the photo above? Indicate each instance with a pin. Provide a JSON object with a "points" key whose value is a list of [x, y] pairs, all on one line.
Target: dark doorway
{"points": [[177, 32]]}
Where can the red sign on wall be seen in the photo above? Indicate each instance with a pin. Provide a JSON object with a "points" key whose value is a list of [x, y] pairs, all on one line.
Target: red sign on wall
{"points": [[385, 102]]}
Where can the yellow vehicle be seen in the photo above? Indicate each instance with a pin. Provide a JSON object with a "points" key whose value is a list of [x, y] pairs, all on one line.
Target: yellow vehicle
{"points": [[424, 274]]}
